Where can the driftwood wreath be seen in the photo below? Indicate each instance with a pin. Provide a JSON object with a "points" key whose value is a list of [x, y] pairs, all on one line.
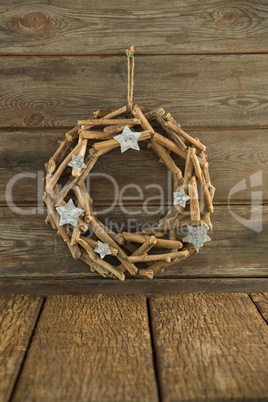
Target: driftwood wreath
{"points": [[126, 127]]}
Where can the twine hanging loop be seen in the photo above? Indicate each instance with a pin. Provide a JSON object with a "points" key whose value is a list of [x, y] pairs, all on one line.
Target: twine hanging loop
{"points": [[130, 69]]}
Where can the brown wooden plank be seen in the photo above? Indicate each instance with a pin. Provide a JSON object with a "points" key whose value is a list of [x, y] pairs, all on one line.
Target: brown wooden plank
{"points": [[229, 154], [90, 348], [18, 315], [261, 301], [54, 285], [210, 347], [205, 91], [31, 248], [154, 27]]}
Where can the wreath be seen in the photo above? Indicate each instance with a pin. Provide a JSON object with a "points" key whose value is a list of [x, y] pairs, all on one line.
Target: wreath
{"points": [[70, 208]]}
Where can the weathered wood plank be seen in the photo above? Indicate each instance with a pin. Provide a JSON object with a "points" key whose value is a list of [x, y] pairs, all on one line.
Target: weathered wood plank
{"points": [[261, 301], [18, 315], [210, 347], [67, 285], [204, 91], [30, 248], [179, 26], [90, 348], [229, 156]]}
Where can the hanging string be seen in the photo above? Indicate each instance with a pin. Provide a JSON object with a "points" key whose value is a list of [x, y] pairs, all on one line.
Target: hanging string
{"points": [[130, 69]]}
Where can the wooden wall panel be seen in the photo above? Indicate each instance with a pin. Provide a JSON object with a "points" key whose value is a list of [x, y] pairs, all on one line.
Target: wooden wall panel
{"points": [[233, 156], [107, 27], [201, 91], [30, 248]]}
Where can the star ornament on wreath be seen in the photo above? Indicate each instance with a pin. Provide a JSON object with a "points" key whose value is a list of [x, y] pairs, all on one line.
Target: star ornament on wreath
{"points": [[180, 233]]}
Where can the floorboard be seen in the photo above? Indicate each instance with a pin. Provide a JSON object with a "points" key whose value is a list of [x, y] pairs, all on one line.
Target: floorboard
{"points": [[18, 316], [90, 348], [210, 347], [261, 301]]}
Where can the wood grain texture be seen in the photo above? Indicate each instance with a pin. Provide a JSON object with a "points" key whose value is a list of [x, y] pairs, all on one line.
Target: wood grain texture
{"points": [[90, 348], [261, 301], [177, 26], [205, 91], [18, 315], [210, 347], [229, 154], [30, 248], [75, 285]]}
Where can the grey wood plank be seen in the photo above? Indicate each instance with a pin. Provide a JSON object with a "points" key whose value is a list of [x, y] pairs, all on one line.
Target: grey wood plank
{"points": [[201, 91], [29, 248], [80, 285], [234, 155], [261, 302], [178, 26], [18, 315], [210, 347], [90, 348]]}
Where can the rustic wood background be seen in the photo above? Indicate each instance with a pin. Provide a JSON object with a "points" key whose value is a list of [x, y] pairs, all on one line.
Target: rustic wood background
{"points": [[205, 62]]}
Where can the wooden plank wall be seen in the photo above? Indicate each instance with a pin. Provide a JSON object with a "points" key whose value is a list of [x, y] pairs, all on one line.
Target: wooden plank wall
{"points": [[205, 62]]}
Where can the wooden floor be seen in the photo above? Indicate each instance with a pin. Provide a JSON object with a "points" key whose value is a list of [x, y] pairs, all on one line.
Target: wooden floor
{"points": [[176, 347]]}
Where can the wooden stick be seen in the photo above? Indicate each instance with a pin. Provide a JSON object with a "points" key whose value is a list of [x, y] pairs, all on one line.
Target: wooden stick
{"points": [[75, 236], [93, 135], [163, 243], [61, 230], [64, 191], [95, 258], [107, 122], [188, 170], [81, 152], [117, 237], [194, 201], [143, 121], [156, 257], [143, 249], [206, 215], [70, 138], [111, 130], [117, 112], [90, 161], [169, 163], [172, 235], [75, 250], [147, 273], [160, 139], [188, 137], [53, 181], [202, 181], [93, 243], [85, 201], [104, 237], [103, 112], [102, 271], [172, 136], [166, 158], [114, 144]]}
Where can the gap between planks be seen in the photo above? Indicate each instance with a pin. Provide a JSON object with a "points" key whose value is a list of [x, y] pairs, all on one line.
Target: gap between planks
{"points": [[104, 55]]}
